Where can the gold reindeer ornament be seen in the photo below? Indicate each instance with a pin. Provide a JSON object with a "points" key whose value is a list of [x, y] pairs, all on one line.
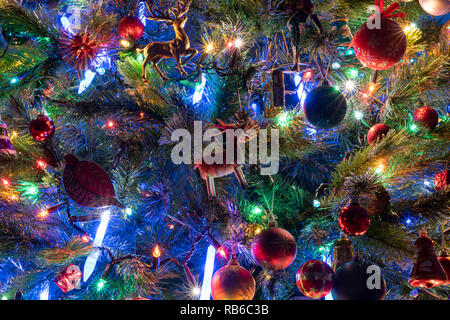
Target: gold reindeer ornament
{"points": [[176, 48]]}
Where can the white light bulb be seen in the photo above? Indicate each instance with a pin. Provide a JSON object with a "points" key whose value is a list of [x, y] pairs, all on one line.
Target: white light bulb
{"points": [[350, 85], [358, 115]]}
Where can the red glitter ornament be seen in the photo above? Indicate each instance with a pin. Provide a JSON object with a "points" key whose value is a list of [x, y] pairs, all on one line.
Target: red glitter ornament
{"points": [[131, 28], [377, 132], [315, 279], [427, 272], [427, 117], [233, 282], [354, 220], [274, 248], [381, 48], [79, 50], [42, 128], [441, 180]]}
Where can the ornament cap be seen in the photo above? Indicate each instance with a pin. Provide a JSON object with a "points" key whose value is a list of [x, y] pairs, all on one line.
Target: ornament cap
{"points": [[233, 261], [354, 200], [272, 224], [423, 233], [357, 258], [443, 253]]}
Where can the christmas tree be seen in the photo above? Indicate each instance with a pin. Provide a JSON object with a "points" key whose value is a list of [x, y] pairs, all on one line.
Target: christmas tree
{"points": [[121, 177]]}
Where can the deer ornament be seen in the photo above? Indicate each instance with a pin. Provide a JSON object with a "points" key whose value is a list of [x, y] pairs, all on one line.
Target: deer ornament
{"points": [[178, 47]]}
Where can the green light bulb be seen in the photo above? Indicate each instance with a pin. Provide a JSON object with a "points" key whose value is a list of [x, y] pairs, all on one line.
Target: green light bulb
{"points": [[100, 284]]}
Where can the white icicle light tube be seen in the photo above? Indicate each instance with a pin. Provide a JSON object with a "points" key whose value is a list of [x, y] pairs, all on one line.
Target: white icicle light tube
{"points": [[91, 261], [208, 273]]}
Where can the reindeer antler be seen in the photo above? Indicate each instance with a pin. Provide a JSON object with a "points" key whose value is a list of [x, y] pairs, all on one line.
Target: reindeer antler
{"points": [[156, 13], [182, 8]]}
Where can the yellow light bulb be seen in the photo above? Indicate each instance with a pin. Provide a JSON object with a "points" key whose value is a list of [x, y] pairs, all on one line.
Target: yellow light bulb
{"points": [[124, 43], [209, 48]]}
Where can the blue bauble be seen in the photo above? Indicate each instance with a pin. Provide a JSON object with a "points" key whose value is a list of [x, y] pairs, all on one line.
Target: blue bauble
{"points": [[325, 107]]}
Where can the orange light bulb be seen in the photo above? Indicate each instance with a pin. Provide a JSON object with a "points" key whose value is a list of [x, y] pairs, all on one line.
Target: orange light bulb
{"points": [[43, 213], [156, 252], [85, 238], [308, 75]]}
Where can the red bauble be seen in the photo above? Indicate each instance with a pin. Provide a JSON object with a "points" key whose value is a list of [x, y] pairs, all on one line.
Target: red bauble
{"points": [[88, 184], [377, 132], [233, 282], [442, 180], [274, 248], [380, 49], [42, 128], [427, 117], [427, 272], [315, 279], [354, 220], [131, 28]]}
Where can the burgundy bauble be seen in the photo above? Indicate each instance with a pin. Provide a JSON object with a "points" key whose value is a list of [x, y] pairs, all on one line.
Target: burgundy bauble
{"points": [[315, 279], [380, 49], [131, 28], [274, 248], [354, 220], [42, 128], [88, 184], [351, 282], [377, 132], [427, 117], [233, 282]]}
